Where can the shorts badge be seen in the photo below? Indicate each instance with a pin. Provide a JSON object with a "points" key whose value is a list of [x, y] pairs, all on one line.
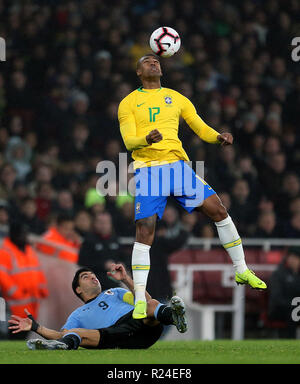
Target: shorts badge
{"points": [[138, 208]]}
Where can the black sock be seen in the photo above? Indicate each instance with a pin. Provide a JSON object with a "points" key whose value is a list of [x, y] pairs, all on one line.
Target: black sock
{"points": [[164, 315], [72, 340]]}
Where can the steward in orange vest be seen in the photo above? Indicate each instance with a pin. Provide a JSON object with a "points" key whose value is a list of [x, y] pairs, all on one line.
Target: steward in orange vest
{"points": [[62, 234], [22, 282]]}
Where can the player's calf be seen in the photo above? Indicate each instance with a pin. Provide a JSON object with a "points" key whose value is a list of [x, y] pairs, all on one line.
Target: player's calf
{"points": [[81, 337]]}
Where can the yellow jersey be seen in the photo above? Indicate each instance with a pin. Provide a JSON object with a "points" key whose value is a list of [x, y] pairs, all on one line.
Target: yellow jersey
{"points": [[144, 110]]}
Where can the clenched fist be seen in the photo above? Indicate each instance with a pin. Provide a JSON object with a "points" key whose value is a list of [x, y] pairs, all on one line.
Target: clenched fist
{"points": [[225, 138], [154, 137]]}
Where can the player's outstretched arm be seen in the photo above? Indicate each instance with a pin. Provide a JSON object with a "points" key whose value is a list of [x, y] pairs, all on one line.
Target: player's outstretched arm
{"points": [[202, 130], [23, 324], [19, 324], [118, 272], [208, 134]]}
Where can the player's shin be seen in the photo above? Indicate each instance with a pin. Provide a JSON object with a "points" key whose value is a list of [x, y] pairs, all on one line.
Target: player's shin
{"points": [[140, 270], [232, 242]]}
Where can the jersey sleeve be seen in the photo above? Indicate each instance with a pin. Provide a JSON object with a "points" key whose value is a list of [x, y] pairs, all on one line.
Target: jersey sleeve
{"points": [[72, 322], [128, 127], [202, 130]]}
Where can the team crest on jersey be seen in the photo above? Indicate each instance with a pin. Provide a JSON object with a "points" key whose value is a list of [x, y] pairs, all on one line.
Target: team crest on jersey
{"points": [[109, 292], [168, 100]]}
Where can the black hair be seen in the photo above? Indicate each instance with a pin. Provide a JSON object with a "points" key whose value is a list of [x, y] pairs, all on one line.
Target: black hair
{"points": [[18, 233], [144, 56], [75, 282], [64, 217]]}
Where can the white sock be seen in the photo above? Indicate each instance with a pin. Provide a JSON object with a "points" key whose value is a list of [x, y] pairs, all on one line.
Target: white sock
{"points": [[140, 265], [232, 242]]}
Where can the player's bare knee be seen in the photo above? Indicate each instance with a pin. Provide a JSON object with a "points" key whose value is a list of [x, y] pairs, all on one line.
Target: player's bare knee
{"points": [[145, 230], [221, 213], [214, 208], [153, 302], [216, 212]]}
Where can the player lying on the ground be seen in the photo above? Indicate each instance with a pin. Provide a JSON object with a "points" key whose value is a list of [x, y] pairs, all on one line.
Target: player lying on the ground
{"points": [[105, 320]]}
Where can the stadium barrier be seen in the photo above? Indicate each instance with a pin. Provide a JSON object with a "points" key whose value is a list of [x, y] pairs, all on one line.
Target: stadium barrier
{"points": [[61, 301], [59, 273], [203, 326]]}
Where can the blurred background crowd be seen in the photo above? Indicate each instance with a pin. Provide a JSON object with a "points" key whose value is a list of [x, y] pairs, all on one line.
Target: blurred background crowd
{"points": [[70, 63]]}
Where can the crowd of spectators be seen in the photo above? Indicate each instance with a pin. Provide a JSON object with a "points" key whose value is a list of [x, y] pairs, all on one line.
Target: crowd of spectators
{"points": [[69, 64]]}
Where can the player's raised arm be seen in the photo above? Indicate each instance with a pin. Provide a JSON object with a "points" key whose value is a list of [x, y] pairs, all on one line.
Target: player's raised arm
{"points": [[204, 131]]}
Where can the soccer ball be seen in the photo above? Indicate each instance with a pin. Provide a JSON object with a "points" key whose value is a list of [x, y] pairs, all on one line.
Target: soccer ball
{"points": [[165, 41]]}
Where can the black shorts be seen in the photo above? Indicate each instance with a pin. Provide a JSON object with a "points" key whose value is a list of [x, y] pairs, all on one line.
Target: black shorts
{"points": [[129, 333]]}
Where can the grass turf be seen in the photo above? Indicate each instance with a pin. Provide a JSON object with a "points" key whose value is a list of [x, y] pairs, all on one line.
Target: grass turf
{"points": [[163, 352]]}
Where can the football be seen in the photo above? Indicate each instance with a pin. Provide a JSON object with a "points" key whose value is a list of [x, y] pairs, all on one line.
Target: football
{"points": [[165, 41]]}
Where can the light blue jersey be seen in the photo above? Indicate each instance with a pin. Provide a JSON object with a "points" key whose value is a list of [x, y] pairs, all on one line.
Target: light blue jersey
{"points": [[102, 312]]}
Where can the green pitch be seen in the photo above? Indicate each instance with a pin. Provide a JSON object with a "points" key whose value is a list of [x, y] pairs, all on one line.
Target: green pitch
{"points": [[163, 352]]}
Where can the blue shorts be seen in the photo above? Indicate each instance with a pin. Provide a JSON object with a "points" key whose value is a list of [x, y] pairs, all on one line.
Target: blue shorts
{"points": [[155, 184]]}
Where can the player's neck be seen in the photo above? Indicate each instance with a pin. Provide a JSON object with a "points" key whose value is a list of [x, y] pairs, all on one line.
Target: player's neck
{"points": [[151, 84], [89, 299]]}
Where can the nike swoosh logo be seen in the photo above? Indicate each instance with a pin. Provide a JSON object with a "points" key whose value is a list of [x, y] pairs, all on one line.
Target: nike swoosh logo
{"points": [[138, 105]]}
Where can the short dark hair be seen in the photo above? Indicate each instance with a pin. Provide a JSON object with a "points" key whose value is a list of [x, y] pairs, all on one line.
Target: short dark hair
{"points": [[75, 282], [17, 228], [142, 58]]}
